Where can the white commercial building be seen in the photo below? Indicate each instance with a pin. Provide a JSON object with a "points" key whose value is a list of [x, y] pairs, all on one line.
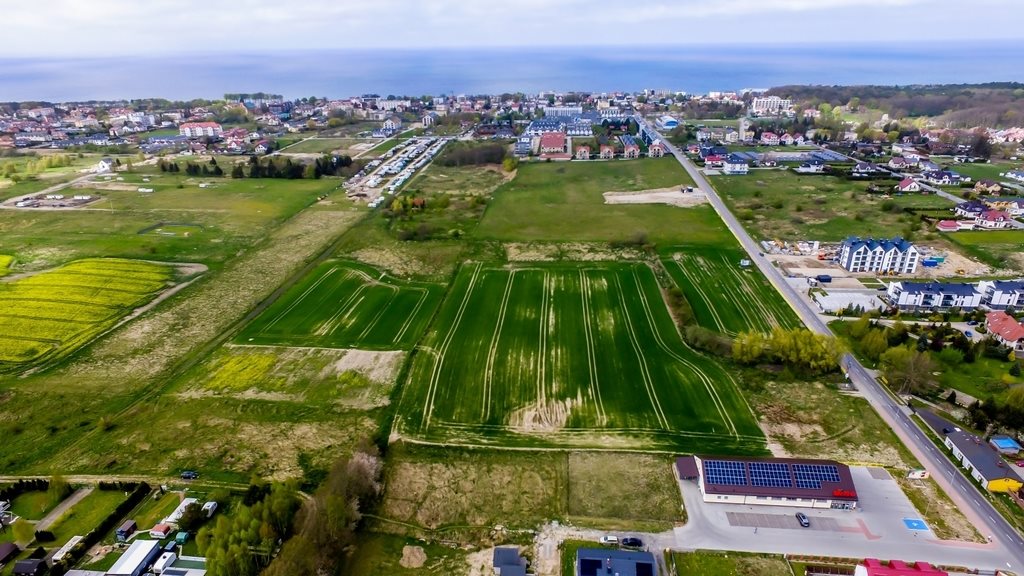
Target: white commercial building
{"points": [[1002, 294], [933, 296], [770, 105], [895, 256], [563, 110]]}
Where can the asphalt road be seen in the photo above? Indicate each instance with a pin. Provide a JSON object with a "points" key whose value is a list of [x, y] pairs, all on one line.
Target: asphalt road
{"points": [[948, 476]]}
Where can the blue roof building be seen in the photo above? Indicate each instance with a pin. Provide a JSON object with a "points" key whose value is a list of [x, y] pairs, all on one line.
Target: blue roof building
{"points": [[605, 562], [896, 256]]}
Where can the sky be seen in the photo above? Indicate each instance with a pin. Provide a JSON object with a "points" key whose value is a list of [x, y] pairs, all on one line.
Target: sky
{"points": [[79, 28]]}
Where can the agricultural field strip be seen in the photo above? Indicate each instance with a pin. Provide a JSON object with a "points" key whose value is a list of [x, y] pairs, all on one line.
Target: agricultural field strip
{"points": [[435, 372], [492, 352], [413, 315], [312, 288], [708, 384], [645, 373], [665, 427], [588, 329], [696, 285]]}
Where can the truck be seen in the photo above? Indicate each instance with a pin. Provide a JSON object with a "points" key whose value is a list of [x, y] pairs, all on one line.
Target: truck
{"points": [[823, 278]]}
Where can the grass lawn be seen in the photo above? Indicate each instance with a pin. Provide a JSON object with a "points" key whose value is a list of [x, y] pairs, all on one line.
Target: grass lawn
{"points": [[982, 379], [150, 512], [729, 564], [382, 553], [780, 204], [86, 515], [515, 357], [995, 247], [456, 180], [345, 304], [990, 171], [562, 201], [326, 145], [224, 218], [34, 505], [622, 491], [725, 297]]}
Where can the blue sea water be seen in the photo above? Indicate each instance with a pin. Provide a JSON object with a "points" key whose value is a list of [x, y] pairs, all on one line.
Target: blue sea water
{"points": [[337, 73]]}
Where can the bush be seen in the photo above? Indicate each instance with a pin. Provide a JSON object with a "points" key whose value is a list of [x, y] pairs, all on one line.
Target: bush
{"points": [[45, 536]]}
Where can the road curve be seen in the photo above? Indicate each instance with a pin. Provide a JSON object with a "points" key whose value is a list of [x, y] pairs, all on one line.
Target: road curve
{"points": [[978, 510]]}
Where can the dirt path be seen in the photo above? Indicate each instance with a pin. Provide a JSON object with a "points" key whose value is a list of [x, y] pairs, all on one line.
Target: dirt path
{"points": [[63, 507], [671, 196]]}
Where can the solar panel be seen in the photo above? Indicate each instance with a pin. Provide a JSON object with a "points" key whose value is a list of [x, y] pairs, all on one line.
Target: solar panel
{"points": [[770, 475], [810, 476], [725, 472]]}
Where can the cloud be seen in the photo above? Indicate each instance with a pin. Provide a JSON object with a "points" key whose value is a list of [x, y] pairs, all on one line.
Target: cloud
{"points": [[125, 27]]}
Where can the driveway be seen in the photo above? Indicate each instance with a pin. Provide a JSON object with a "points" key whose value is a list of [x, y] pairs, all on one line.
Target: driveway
{"points": [[875, 530]]}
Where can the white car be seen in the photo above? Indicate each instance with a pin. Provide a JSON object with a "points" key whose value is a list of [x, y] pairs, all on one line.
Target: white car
{"points": [[610, 540]]}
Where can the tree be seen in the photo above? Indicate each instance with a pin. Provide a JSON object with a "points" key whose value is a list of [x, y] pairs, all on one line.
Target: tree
{"points": [[952, 397], [192, 518], [59, 489], [749, 347], [951, 357], [24, 532], [981, 147], [907, 370], [874, 344], [922, 343]]}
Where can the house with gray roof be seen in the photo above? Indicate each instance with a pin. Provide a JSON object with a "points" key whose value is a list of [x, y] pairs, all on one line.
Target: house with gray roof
{"points": [[508, 562], [932, 296], [606, 562]]}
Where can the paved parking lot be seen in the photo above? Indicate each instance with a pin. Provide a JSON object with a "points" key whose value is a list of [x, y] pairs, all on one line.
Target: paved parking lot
{"points": [[876, 529]]}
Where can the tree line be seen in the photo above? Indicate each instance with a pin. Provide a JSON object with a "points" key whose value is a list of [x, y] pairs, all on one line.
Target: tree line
{"points": [[464, 154]]}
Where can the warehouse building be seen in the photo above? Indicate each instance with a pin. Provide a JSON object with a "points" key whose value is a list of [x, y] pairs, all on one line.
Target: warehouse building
{"points": [[136, 559], [771, 481]]}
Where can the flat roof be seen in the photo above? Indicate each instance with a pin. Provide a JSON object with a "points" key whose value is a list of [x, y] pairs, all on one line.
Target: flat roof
{"points": [[777, 477], [138, 553]]}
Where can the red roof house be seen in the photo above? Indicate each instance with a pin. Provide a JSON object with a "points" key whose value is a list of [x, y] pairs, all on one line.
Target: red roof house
{"points": [[552, 143], [1005, 329], [874, 567]]}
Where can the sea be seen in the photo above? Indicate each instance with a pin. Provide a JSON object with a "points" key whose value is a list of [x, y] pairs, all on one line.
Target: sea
{"points": [[338, 73]]}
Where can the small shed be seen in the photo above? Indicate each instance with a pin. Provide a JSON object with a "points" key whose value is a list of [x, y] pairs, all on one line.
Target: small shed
{"points": [[160, 531], [30, 567], [8, 550], [181, 537], [127, 529], [209, 508]]}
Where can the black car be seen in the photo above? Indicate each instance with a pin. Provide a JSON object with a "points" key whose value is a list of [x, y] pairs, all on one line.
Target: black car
{"points": [[189, 475], [632, 543], [803, 520]]}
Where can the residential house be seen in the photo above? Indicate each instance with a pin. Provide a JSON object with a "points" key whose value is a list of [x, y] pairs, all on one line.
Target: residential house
{"points": [[8, 550], [714, 161], [898, 163], [954, 225], [1006, 330], [523, 147], [583, 152], [735, 164], [896, 256], [630, 148], [1012, 206], [429, 119], [769, 139], [606, 562], [986, 186], [506, 561], [925, 165], [393, 123], [1017, 175], [706, 151], [865, 169], [982, 462], [786, 139], [933, 296], [263, 147], [813, 166], [993, 220], [200, 129], [552, 143], [1002, 294], [941, 177], [34, 567], [970, 209], [908, 185], [607, 152], [656, 150]]}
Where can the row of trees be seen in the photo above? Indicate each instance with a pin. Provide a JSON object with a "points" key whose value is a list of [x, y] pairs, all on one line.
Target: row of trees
{"points": [[462, 154], [192, 168], [797, 347]]}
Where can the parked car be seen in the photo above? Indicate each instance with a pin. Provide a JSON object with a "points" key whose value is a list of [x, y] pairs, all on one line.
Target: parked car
{"points": [[632, 543], [1020, 463], [803, 520], [189, 475], [972, 322], [968, 333], [610, 540]]}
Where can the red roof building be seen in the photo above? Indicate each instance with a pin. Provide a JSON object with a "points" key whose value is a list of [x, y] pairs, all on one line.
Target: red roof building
{"points": [[552, 143], [1005, 329], [874, 567]]}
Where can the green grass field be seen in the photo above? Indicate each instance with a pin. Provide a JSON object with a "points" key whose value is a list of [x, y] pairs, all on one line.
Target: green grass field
{"points": [[519, 356], [990, 171], [724, 296], [49, 315], [782, 204], [994, 247], [344, 304], [5, 264], [83, 517], [562, 201], [34, 505]]}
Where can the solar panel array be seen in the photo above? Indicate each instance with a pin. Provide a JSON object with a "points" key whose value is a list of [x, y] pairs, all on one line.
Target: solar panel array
{"points": [[725, 472], [810, 476], [769, 474]]}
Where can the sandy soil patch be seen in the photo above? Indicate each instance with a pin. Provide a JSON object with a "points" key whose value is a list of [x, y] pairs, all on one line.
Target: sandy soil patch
{"points": [[548, 417], [413, 557], [375, 365], [113, 186], [670, 196], [575, 251]]}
